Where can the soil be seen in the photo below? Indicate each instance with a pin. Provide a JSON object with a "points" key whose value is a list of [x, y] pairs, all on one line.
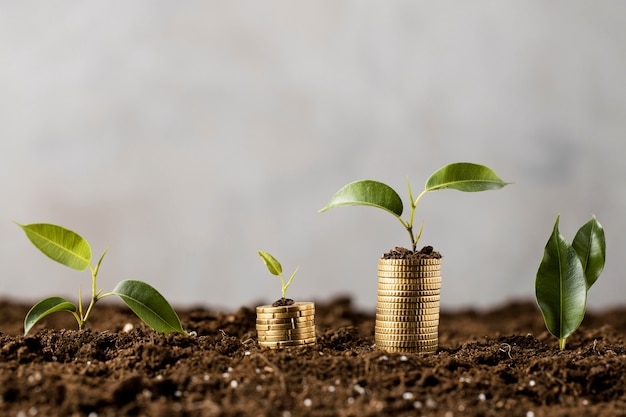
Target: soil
{"points": [[426, 252], [500, 362]]}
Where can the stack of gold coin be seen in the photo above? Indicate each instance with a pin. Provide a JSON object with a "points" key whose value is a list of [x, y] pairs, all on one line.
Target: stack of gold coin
{"points": [[292, 325], [407, 308]]}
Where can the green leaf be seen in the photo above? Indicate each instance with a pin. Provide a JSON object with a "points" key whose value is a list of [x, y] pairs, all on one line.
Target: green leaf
{"points": [[59, 244], [464, 176], [591, 249], [43, 308], [149, 305], [272, 263], [560, 287], [367, 193]]}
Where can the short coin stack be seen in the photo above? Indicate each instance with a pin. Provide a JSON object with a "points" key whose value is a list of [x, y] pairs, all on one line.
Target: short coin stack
{"points": [[407, 309], [292, 325]]}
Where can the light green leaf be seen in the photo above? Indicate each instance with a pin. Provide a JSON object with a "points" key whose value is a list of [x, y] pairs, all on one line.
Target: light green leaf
{"points": [[149, 305], [590, 246], [272, 263], [464, 176], [560, 287], [59, 244], [367, 193], [43, 308]]}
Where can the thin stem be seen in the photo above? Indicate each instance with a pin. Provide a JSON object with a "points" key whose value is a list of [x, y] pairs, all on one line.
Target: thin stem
{"points": [[282, 284], [561, 344]]}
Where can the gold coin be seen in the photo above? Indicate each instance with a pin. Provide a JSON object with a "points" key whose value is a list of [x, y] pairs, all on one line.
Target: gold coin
{"points": [[299, 306], [411, 308], [406, 325], [289, 315], [414, 261], [387, 337], [395, 299], [291, 333], [408, 300], [425, 283], [411, 348], [411, 290], [407, 275], [425, 309], [285, 343], [293, 320], [285, 338], [405, 343], [406, 330], [399, 319], [285, 326]]}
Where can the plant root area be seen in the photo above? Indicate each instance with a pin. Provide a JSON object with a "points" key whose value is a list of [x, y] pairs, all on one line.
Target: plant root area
{"points": [[500, 362]]}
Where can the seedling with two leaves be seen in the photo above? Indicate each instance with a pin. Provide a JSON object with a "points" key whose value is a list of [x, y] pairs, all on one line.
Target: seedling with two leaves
{"points": [[70, 249], [276, 268], [461, 176], [565, 275]]}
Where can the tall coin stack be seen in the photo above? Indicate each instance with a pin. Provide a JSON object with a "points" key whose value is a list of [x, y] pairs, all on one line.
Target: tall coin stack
{"points": [[292, 325], [407, 308]]}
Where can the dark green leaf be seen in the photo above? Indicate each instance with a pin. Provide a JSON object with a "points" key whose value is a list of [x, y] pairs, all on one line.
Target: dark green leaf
{"points": [[560, 287], [464, 176], [367, 193], [59, 244], [149, 305], [591, 249], [272, 263], [45, 307]]}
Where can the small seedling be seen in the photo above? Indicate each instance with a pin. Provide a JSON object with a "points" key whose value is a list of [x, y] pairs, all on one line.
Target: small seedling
{"points": [[462, 176], [276, 268], [70, 249], [565, 275]]}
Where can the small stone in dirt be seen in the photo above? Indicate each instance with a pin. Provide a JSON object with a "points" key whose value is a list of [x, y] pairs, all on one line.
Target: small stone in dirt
{"points": [[283, 302]]}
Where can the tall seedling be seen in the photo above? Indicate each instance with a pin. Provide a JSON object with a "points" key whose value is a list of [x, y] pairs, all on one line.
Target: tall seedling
{"points": [[565, 275]]}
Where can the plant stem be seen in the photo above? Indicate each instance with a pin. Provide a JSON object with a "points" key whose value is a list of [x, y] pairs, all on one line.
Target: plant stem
{"points": [[562, 344]]}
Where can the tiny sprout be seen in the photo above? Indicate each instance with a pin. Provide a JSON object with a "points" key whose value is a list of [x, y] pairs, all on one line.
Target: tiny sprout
{"points": [[70, 249], [276, 268]]}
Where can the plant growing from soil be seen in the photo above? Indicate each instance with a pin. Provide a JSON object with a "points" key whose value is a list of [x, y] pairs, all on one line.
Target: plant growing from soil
{"points": [[70, 249], [276, 268], [565, 275], [461, 176]]}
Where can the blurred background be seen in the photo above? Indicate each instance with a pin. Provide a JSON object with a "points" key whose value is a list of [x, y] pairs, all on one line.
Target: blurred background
{"points": [[185, 136]]}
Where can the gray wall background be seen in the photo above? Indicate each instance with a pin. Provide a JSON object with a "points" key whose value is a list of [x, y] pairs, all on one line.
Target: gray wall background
{"points": [[185, 136]]}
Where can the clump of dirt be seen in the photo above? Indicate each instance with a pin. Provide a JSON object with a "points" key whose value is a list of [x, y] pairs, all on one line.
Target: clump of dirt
{"points": [[426, 252], [283, 302], [500, 362]]}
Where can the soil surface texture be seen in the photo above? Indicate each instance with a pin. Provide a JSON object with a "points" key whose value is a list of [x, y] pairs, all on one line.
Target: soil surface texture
{"points": [[501, 362]]}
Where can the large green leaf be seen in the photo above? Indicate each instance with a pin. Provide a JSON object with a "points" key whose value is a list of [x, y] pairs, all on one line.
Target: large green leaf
{"points": [[59, 244], [149, 305], [590, 246], [272, 263], [43, 308], [367, 193], [560, 287], [464, 176]]}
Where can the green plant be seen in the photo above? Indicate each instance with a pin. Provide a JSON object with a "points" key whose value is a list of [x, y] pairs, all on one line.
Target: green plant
{"points": [[462, 176], [565, 274], [276, 268], [70, 249]]}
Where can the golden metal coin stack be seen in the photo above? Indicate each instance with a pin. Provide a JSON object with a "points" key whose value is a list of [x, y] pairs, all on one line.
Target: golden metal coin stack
{"points": [[292, 325], [407, 308]]}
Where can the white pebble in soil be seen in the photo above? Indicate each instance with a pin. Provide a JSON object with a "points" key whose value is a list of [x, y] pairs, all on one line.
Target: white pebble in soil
{"points": [[308, 402], [407, 396]]}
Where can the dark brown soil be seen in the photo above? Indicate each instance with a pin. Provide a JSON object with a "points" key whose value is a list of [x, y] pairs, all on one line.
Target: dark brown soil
{"points": [[498, 363], [426, 252]]}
